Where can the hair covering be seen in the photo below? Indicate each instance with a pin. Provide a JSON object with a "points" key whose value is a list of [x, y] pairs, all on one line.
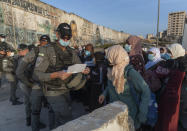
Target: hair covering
{"points": [[119, 58], [177, 50], [136, 47], [156, 59]]}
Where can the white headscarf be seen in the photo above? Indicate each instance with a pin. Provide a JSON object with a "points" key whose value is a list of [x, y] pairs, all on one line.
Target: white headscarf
{"points": [[177, 50], [119, 58], [156, 59]]}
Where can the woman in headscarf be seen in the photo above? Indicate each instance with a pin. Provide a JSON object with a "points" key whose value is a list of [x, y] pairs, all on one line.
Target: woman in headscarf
{"points": [[168, 109], [122, 79], [134, 49], [154, 58]]}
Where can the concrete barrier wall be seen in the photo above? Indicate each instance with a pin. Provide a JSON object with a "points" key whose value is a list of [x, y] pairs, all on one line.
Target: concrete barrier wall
{"points": [[112, 117], [23, 21]]}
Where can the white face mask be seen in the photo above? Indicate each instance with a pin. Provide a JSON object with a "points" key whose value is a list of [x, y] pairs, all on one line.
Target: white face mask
{"points": [[12, 54], [2, 39]]}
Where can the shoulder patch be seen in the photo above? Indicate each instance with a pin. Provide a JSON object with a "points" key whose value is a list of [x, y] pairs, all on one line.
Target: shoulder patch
{"points": [[39, 61], [40, 54]]}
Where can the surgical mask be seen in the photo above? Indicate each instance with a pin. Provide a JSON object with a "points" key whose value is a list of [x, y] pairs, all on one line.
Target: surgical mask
{"points": [[151, 57], [162, 54], [128, 48], [87, 53], [12, 54], [166, 56], [2, 39], [64, 43]]}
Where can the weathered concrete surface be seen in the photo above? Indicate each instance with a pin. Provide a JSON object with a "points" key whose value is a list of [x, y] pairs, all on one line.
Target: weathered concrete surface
{"points": [[113, 117], [23, 21], [12, 118]]}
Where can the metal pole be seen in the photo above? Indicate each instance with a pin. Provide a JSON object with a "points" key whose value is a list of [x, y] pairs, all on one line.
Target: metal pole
{"points": [[158, 23]]}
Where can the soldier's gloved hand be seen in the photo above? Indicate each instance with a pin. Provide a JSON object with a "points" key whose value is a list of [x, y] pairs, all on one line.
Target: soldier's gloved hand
{"points": [[64, 75]]}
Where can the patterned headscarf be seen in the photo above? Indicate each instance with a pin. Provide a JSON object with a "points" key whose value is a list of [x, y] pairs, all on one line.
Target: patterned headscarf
{"points": [[119, 58], [156, 59], [136, 47]]}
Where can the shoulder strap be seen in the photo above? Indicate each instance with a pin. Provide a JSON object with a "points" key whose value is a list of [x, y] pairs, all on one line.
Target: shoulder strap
{"points": [[69, 50], [36, 51]]}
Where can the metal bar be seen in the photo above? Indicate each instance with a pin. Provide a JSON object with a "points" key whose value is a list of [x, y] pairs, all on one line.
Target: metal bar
{"points": [[158, 22]]}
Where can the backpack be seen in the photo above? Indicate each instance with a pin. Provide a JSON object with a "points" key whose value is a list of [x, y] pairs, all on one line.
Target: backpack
{"points": [[152, 114]]}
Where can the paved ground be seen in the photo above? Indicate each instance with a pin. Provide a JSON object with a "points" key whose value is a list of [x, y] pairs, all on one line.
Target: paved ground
{"points": [[12, 118]]}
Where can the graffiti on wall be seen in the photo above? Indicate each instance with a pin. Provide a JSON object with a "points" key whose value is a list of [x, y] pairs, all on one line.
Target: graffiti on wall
{"points": [[1, 16], [22, 35], [8, 18], [27, 6], [46, 26], [98, 36], [74, 39]]}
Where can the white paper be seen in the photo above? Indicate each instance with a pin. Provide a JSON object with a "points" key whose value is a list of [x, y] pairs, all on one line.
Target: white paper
{"points": [[77, 68]]}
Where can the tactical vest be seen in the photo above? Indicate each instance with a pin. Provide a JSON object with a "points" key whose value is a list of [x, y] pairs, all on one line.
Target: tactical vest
{"points": [[63, 60]]}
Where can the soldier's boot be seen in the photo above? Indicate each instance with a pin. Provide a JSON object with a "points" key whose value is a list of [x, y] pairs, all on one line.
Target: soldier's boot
{"points": [[13, 98], [42, 125], [35, 121], [51, 117], [16, 102], [28, 121]]}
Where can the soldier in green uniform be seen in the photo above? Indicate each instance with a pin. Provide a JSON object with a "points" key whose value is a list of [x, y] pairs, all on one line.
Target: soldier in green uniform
{"points": [[50, 71]]}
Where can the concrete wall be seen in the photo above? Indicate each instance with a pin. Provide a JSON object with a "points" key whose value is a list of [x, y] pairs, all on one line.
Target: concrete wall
{"points": [[23, 21], [112, 117]]}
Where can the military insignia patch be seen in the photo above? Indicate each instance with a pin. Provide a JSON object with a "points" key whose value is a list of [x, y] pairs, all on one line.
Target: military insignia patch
{"points": [[39, 61], [40, 54]]}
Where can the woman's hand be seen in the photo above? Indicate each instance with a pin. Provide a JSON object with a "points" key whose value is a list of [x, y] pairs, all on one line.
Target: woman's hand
{"points": [[101, 99], [86, 71]]}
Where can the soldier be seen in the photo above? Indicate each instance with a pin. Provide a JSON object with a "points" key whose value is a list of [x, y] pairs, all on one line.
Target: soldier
{"points": [[2, 56], [22, 51], [4, 44], [9, 64], [49, 71], [24, 73]]}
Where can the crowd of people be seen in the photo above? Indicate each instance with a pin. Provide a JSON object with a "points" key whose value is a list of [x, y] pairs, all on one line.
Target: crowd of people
{"points": [[152, 84]]}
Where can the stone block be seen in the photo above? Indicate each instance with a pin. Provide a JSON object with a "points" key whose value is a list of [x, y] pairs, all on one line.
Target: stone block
{"points": [[112, 117]]}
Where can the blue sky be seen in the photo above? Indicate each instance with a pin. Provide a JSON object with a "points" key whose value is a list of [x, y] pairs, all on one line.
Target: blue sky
{"points": [[137, 17]]}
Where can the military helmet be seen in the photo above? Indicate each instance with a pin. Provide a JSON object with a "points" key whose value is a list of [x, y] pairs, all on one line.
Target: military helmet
{"points": [[2, 36], [2, 48], [45, 38], [64, 30], [22, 47]]}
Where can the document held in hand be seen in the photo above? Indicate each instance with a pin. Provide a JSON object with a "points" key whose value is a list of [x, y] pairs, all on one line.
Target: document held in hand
{"points": [[77, 68]]}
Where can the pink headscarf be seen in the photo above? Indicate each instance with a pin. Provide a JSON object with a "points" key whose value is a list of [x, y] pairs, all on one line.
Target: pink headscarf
{"points": [[136, 47], [119, 58]]}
